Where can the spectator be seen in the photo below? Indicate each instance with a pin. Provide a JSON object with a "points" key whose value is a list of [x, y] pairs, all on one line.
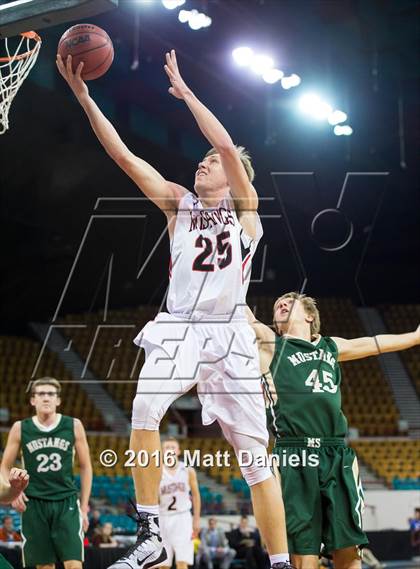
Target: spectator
{"points": [[7, 533], [247, 544], [104, 538], [94, 525], [214, 546], [415, 532]]}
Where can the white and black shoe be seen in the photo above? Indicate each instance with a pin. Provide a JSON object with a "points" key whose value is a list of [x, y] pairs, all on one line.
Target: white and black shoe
{"points": [[148, 551]]}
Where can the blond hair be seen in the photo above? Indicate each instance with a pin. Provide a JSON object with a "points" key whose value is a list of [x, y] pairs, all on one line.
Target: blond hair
{"points": [[46, 381], [245, 158], [309, 305]]}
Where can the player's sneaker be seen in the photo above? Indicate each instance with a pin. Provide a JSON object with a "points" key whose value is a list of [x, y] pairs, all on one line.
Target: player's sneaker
{"points": [[148, 551], [282, 565]]}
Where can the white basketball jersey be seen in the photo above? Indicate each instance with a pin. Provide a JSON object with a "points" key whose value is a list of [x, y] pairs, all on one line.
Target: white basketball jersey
{"points": [[211, 258], [174, 491]]}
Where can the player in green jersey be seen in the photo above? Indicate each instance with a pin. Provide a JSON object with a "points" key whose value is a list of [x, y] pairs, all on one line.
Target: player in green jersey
{"points": [[301, 376], [53, 519]]}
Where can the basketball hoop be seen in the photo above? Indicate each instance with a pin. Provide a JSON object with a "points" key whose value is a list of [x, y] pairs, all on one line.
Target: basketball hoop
{"points": [[14, 68]]}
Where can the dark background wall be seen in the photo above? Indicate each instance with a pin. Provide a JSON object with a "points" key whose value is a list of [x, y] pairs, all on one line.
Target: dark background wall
{"points": [[361, 55]]}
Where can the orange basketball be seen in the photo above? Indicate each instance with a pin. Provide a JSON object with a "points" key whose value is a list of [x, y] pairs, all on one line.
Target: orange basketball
{"points": [[90, 44]]}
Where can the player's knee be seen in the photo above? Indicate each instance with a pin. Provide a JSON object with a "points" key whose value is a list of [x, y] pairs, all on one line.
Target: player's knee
{"points": [[73, 564], [254, 466], [347, 558], [305, 561], [145, 415]]}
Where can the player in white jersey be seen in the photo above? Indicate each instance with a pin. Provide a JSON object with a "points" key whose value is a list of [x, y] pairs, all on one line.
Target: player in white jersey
{"points": [[177, 525], [205, 339]]}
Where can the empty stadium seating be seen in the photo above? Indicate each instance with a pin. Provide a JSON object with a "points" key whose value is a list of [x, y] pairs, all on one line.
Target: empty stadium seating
{"points": [[396, 461], [401, 318], [18, 357]]}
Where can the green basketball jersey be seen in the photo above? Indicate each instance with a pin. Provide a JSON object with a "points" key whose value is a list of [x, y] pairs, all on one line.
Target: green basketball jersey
{"points": [[307, 379], [48, 458]]}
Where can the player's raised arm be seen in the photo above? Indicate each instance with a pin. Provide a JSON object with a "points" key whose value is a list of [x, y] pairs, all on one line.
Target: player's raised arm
{"points": [[82, 450], [263, 333], [196, 500], [243, 192], [375, 345], [166, 195]]}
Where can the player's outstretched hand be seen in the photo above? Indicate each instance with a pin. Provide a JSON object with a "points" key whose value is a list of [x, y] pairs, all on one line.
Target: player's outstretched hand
{"points": [[18, 479], [75, 81], [19, 504], [179, 88]]}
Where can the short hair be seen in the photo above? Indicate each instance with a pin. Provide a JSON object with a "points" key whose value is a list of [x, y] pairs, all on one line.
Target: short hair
{"points": [[245, 158], [309, 304], [46, 381], [7, 518]]}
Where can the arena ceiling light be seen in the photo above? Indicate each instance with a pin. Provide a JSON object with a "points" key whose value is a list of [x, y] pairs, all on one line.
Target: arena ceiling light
{"points": [[196, 20], [290, 81], [172, 4], [337, 117], [261, 63], [343, 130], [243, 56], [312, 105], [272, 75]]}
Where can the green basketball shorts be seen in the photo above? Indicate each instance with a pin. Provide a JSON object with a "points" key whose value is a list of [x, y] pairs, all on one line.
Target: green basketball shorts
{"points": [[52, 531], [323, 503]]}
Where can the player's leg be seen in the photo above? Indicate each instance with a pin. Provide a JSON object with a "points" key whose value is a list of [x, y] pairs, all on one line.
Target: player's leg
{"points": [[158, 387], [342, 506], [67, 532], [347, 558], [72, 564], [305, 561], [267, 503], [182, 530], [266, 494], [237, 403], [37, 548]]}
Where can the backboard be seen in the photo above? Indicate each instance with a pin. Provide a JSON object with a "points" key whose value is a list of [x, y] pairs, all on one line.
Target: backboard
{"points": [[19, 16]]}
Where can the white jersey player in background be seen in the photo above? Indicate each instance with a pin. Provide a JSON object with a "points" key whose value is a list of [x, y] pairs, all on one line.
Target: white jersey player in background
{"points": [[205, 339], [177, 525]]}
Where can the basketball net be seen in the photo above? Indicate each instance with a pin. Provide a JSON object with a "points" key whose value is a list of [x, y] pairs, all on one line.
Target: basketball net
{"points": [[14, 68]]}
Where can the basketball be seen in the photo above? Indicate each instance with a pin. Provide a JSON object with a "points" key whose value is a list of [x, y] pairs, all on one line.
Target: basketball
{"points": [[90, 44]]}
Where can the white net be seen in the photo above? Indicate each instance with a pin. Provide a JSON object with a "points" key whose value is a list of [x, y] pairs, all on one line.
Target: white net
{"points": [[14, 68]]}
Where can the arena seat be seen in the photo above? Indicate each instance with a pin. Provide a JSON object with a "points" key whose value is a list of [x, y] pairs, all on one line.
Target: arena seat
{"points": [[401, 318], [18, 356], [395, 461]]}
